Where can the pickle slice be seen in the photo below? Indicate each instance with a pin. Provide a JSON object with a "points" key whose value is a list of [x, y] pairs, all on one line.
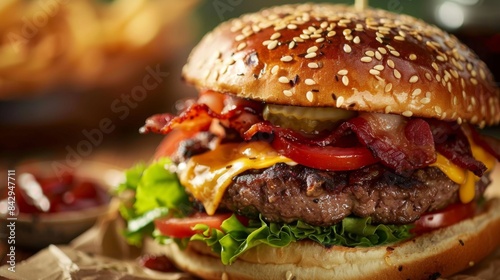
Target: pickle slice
{"points": [[306, 119]]}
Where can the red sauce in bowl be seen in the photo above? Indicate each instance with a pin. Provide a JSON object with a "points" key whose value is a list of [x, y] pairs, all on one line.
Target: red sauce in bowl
{"points": [[36, 194]]}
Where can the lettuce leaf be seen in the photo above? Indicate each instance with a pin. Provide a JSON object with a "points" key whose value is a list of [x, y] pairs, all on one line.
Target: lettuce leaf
{"points": [[156, 192], [234, 238]]}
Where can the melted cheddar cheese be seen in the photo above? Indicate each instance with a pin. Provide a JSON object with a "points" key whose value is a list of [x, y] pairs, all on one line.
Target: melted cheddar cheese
{"points": [[465, 178], [208, 175]]}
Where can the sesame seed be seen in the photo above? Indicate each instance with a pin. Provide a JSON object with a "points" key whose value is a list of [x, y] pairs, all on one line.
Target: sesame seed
{"points": [[324, 24], [310, 96], [241, 46], [347, 48], [482, 74], [356, 40], [379, 67], [388, 87], [342, 72], [407, 113], [298, 39], [310, 82], [388, 109], [413, 79], [378, 55], [469, 66], [311, 28], [291, 26], [425, 100], [449, 87], [473, 81], [397, 74], [287, 92], [379, 40], [315, 36], [370, 53], [390, 63], [435, 66], [291, 45], [382, 50], [416, 92], [438, 78], [275, 69], [374, 72], [331, 34], [394, 53], [399, 38], [272, 45], [455, 100], [287, 58], [440, 58], [283, 80], [413, 56], [275, 36], [339, 101], [345, 80], [366, 59], [313, 65], [320, 40], [347, 32], [304, 36], [311, 55], [312, 49], [428, 76], [459, 120], [239, 37]]}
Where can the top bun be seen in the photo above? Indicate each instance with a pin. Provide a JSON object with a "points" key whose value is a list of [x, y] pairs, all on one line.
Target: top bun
{"points": [[337, 56]]}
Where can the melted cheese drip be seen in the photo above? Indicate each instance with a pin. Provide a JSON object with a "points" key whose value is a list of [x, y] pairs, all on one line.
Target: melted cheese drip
{"points": [[465, 178], [208, 175]]}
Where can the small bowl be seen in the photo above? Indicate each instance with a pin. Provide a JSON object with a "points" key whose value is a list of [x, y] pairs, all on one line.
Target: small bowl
{"points": [[38, 230]]}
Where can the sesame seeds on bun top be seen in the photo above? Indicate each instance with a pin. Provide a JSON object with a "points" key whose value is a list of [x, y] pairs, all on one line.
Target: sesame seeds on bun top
{"points": [[334, 55]]}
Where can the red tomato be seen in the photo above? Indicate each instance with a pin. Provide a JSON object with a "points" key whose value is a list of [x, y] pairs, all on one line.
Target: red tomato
{"points": [[183, 227], [170, 143], [448, 216], [327, 157]]}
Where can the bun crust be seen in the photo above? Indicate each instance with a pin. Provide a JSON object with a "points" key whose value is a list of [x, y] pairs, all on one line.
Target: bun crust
{"points": [[334, 55], [429, 256]]}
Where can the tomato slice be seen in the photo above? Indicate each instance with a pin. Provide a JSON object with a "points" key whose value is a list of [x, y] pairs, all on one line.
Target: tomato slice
{"points": [[170, 143], [324, 157], [448, 216], [183, 227]]}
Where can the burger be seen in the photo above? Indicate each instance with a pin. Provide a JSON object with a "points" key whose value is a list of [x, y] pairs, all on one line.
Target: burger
{"points": [[326, 142]]}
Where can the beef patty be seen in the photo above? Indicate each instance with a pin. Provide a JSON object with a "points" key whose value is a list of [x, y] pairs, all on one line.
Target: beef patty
{"points": [[285, 193]]}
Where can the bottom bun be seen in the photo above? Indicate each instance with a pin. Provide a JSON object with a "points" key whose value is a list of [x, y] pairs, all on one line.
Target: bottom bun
{"points": [[429, 256]]}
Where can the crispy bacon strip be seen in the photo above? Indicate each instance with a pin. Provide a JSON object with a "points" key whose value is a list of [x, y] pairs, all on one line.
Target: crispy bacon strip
{"points": [[400, 143], [237, 114], [451, 142]]}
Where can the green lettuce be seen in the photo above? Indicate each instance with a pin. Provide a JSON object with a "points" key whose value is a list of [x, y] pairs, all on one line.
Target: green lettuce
{"points": [[234, 238], [157, 192]]}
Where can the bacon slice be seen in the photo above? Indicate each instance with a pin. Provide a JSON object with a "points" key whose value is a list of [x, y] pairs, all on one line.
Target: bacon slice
{"points": [[451, 142], [238, 114], [400, 143]]}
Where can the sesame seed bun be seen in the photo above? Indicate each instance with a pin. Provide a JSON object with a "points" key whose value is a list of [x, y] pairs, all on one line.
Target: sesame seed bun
{"points": [[334, 55], [437, 254]]}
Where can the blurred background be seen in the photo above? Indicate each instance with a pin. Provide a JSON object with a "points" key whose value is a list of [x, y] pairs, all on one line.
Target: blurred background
{"points": [[78, 78]]}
